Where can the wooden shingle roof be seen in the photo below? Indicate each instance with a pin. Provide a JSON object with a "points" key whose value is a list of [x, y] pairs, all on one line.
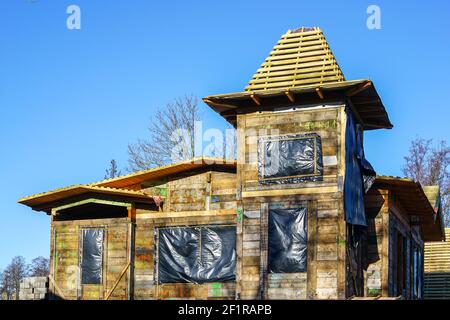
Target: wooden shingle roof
{"points": [[301, 57]]}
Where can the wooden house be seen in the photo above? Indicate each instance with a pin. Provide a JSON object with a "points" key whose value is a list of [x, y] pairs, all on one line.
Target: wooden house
{"points": [[300, 215]]}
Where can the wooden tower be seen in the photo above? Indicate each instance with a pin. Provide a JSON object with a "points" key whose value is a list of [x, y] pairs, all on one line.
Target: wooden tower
{"points": [[299, 125]]}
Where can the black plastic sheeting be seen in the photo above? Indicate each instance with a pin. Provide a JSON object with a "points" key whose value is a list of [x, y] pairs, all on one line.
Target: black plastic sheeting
{"points": [[92, 262], [290, 159], [368, 172], [359, 174], [288, 239], [197, 254], [357, 250]]}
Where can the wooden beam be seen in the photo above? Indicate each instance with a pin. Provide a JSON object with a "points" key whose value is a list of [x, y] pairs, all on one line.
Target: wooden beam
{"points": [[117, 281], [287, 192], [359, 89], [239, 248], [264, 257], [256, 99], [290, 96], [320, 93], [90, 200], [355, 113], [385, 247], [180, 214], [131, 257], [361, 100], [58, 289], [269, 106], [378, 126], [216, 104], [311, 280], [131, 213]]}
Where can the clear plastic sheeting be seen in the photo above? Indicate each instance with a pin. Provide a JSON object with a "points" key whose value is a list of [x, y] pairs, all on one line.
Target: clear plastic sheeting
{"points": [[288, 239], [290, 159], [197, 254], [359, 174], [92, 258]]}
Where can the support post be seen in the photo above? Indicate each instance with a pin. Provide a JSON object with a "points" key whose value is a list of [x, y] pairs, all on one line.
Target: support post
{"points": [[264, 249]]}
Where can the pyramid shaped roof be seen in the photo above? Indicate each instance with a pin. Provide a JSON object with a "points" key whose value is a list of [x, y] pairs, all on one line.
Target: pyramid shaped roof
{"points": [[300, 70], [301, 57]]}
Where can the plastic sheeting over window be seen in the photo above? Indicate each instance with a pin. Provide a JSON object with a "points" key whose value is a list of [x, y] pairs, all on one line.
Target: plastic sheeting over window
{"points": [[197, 254], [92, 258], [288, 239], [359, 174], [290, 159]]}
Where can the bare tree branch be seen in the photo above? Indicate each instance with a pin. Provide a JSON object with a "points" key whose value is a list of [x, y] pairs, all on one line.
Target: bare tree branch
{"points": [[39, 267], [112, 171], [11, 277], [171, 136], [429, 165]]}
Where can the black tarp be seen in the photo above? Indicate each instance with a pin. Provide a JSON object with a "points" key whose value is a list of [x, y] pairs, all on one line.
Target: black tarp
{"points": [[197, 254], [357, 250], [359, 174], [368, 171], [288, 239], [92, 258], [290, 159], [359, 177]]}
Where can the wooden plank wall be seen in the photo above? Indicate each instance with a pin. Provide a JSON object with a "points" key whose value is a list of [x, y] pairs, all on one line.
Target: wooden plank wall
{"points": [[187, 194], [387, 218], [202, 191], [399, 222], [66, 255], [437, 269], [395, 226], [202, 199], [325, 278], [323, 122]]}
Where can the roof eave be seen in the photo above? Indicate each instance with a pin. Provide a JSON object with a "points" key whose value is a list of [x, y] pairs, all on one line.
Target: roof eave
{"points": [[194, 163], [118, 186], [361, 93], [45, 201], [433, 228]]}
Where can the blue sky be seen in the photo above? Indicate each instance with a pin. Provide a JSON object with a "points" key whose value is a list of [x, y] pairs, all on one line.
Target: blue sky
{"points": [[71, 100]]}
